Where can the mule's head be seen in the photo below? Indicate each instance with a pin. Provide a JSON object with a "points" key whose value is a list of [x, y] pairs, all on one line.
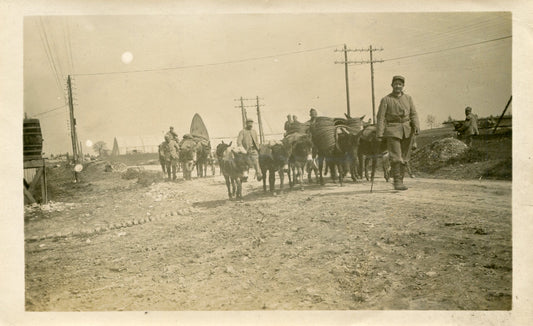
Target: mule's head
{"points": [[303, 147], [221, 148], [239, 157]]}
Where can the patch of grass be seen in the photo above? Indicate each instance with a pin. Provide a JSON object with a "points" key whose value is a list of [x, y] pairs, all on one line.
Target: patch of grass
{"points": [[502, 170], [471, 155]]}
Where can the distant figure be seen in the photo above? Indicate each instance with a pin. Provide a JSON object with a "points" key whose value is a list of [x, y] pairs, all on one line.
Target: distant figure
{"points": [[397, 121], [294, 119], [170, 150], [469, 128], [312, 116], [162, 159], [312, 120], [172, 134], [248, 139], [288, 123]]}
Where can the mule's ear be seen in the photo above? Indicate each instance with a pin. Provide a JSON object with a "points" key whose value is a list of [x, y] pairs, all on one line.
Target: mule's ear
{"points": [[362, 117], [230, 143], [347, 116], [222, 142]]}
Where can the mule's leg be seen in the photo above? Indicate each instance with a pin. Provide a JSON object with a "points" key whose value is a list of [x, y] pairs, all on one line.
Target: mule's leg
{"points": [[331, 165], [281, 177], [228, 185], [174, 177], [320, 167], [238, 181], [374, 164], [361, 165], [342, 172], [301, 178], [367, 161], [291, 177], [271, 179], [168, 167], [233, 187], [264, 172]]}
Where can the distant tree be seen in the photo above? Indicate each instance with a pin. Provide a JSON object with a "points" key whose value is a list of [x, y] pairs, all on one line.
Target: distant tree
{"points": [[430, 120], [100, 147]]}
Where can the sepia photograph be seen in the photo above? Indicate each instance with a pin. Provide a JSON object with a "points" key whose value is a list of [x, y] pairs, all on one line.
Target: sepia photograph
{"points": [[261, 161]]}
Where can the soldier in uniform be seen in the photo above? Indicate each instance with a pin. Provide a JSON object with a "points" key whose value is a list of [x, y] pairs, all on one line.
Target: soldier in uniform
{"points": [[162, 159], [248, 139], [469, 128], [397, 122], [172, 134], [170, 150], [312, 116], [287, 124]]}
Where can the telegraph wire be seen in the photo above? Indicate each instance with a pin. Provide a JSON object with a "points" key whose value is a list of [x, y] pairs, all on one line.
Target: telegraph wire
{"points": [[453, 34], [49, 56], [208, 64], [51, 110], [448, 49], [68, 44]]}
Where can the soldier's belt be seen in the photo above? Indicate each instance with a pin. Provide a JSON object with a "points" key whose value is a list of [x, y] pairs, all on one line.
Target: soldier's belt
{"points": [[398, 120]]}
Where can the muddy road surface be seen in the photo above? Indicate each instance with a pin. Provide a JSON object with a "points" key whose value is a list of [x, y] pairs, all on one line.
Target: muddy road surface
{"points": [[113, 245]]}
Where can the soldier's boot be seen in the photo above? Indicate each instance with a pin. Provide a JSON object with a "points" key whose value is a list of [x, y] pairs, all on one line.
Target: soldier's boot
{"points": [[397, 176], [403, 169]]}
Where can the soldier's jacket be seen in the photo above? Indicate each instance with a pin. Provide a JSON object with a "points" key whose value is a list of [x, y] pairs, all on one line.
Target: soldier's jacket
{"points": [[396, 116], [169, 150], [248, 139], [470, 126]]}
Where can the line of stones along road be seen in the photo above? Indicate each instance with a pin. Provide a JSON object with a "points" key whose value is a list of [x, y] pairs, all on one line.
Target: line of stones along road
{"points": [[115, 226]]}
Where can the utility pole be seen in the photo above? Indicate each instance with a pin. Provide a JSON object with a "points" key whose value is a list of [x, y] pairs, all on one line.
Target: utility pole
{"points": [[244, 118], [72, 122], [345, 50], [243, 111], [73, 135], [261, 134], [372, 81], [371, 61]]}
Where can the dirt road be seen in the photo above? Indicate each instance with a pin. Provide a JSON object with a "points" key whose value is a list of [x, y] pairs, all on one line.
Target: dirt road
{"points": [[113, 245]]}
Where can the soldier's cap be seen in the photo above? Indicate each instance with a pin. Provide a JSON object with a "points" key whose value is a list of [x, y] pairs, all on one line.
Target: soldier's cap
{"points": [[468, 108], [249, 120], [312, 109], [171, 127], [398, 78]]}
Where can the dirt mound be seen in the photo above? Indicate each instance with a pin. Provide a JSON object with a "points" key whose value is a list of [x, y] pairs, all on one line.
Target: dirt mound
{"points": [[144, 177], [437, 154]]}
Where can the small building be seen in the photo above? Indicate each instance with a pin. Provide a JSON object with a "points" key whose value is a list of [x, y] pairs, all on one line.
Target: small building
{"points": [[123, 145]]}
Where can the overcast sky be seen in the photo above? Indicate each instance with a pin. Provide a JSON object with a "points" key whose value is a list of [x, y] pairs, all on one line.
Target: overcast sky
{"points": [[187, 64]]}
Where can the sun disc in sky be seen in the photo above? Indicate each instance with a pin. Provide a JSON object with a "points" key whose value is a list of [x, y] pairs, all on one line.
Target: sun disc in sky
{"points": [[127, 57], [89, 143]]}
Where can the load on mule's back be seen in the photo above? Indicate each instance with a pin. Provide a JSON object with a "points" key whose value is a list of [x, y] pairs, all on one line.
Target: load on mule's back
{"points": [[187, 155], [233, 163], [297, 142], [336, 142], [199, 134]]}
